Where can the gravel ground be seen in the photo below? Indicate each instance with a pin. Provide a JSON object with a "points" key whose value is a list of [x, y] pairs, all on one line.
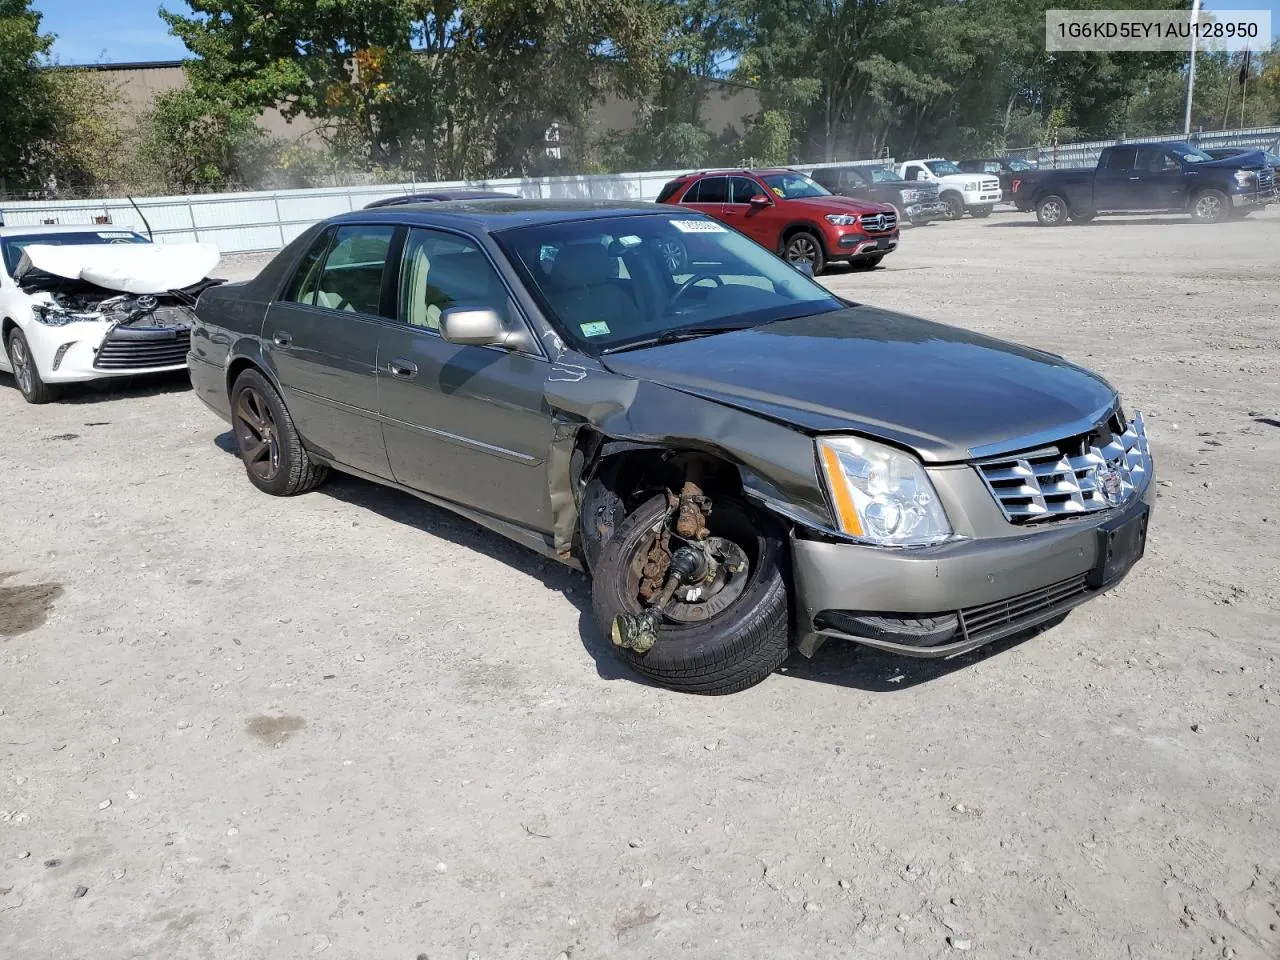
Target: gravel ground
{"points": [[350, 724]]}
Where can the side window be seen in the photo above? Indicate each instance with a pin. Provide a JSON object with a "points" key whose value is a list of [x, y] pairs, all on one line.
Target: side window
{"points": [[352, 277], [991, 167], [306, 281], [714, 190], [443, 270], [743, 189], [1168, 162], [913, 173], [669, 190], [1122, 158], [691, 196]]}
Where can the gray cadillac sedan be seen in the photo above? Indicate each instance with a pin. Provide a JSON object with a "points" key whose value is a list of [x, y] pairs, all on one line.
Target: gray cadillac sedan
{"points": [[744, 463]]}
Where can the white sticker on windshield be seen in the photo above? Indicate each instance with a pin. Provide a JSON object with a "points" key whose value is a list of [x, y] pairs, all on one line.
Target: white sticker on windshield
{"points": [[698, 226], [597, 329], [116, 235]]}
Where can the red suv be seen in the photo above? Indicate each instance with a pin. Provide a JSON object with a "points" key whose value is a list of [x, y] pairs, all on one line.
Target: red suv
{"points": [[790, 214]]}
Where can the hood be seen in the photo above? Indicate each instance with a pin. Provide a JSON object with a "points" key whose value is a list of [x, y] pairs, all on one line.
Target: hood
{"points": [[126, 267], [838, 204], [946, 393], [1253, 160]]}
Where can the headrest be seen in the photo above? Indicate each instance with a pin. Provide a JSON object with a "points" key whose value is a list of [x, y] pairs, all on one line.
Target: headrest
{"points": [[582, 264]]}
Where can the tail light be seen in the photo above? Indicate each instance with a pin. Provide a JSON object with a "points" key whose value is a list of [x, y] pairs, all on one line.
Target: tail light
{"points": [[1015, 185]]}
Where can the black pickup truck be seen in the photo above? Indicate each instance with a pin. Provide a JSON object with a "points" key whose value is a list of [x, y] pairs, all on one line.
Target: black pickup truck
{"points": [[1149, 177]]}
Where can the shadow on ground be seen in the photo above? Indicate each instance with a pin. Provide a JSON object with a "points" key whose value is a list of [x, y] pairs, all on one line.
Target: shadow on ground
{"points": [[116, 388], [837, 663]]}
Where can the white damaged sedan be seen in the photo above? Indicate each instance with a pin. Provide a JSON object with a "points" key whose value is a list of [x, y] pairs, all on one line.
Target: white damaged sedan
{"points": [[83, 303]]}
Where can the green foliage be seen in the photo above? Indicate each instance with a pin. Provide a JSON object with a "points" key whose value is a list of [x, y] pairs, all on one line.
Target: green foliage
{"points": [[84, 145], [188, 143], [28, 117]]}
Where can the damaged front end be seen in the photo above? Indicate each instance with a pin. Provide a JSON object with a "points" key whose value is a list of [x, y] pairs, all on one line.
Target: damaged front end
{"points": [[143, 331]]}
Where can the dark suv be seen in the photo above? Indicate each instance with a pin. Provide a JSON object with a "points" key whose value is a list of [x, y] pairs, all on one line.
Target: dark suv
{"points": [[791, 214], [917, 202]]}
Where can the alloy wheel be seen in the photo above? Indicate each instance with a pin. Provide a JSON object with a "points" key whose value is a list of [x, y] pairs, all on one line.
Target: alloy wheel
{"points": [[21, 361], [802, 249], [1209, 207], [256, 434]]}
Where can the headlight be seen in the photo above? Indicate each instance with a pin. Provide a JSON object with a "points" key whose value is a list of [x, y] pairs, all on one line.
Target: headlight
{"points": [[970, 187], [842, 219], [54, 316], [881, 494], [1245, 176]]}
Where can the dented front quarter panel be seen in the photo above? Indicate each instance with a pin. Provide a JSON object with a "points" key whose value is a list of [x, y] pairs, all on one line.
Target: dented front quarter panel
{"points": [[777, 463]]}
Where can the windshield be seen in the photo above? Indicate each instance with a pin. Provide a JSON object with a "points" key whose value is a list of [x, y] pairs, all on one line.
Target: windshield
{"points": [[1018, 166], [884, 175], [942, 168], [606, 284], [790, 186], [1189, 153], [14, 245]]}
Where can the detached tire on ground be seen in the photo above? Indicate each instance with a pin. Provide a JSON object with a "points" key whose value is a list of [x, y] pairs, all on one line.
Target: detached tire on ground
{"points": [[728, 651], [267, 441]]}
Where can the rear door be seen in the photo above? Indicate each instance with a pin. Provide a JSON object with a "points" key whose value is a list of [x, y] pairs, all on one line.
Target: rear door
{"points": [[710, 195], [463, 423], [322, 335], [1116, 184]]}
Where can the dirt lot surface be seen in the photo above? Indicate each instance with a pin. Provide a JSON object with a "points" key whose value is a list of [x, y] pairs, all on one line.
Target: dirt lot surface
{"points": [[350, 725]]}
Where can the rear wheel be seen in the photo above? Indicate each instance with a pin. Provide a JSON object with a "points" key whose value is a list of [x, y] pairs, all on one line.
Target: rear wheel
{"points": [[720, 637], [1210, 206], [267, 440], [981, 212], [1052, 211], [805, 247], [1082, 216], [25, 371]]}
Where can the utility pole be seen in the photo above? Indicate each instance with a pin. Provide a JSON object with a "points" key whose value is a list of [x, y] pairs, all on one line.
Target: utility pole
{"points": [[1191, 72]]}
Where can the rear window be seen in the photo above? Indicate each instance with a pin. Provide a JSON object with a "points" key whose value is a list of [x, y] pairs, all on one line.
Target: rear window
{"points": [[670, 190]]}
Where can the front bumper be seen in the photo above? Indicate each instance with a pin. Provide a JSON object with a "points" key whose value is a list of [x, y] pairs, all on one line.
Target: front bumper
{"points": [[853, 246], [1254, 198], [928, 210], [982, 198], [947, 600], [81, 352]]}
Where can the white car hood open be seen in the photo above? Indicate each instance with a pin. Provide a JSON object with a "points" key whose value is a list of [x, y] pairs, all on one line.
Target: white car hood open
{"points": [[127, 267]]}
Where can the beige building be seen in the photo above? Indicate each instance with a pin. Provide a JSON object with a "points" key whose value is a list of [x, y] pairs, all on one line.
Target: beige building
{"points": [[726, 108]]}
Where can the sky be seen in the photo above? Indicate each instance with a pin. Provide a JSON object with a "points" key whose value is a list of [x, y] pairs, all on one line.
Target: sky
{"points": [[124, 31]]}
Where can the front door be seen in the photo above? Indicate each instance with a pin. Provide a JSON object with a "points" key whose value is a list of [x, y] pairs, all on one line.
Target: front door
{"points": [[322, 336], [1163, 185], [1117, 186], [464, 423], [755, 221]]}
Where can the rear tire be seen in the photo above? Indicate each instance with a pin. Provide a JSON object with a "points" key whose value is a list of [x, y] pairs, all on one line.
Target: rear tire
{"points": [[267, 441], [1052, 211], [30, 384], [802, 246], [730, 650], [1082, 216], [981, 213]]}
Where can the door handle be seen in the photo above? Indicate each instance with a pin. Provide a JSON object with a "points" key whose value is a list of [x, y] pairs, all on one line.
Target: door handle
{"points": [[282, 338], [404, 369], [1135, 178]]}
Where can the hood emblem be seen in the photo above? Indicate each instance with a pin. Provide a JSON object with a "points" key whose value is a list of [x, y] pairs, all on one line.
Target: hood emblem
{"points": [[1109, 482], [146, 302]]}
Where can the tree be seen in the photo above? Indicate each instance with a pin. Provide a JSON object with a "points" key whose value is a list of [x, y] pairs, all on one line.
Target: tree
{"points": [[84, 147], [190, 143], [28, 116]]}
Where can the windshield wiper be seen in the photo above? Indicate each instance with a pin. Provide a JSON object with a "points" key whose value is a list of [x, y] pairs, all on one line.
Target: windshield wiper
{"points": [[681, 333]]}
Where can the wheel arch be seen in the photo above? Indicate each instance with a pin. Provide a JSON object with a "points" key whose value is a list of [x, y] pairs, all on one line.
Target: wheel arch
{"points": [[798, 226], [247, 355]]}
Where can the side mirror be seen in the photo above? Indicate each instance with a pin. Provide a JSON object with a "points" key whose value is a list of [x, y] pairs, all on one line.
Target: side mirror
{"points": [[759, 201], [805, 267], [479, 327]]}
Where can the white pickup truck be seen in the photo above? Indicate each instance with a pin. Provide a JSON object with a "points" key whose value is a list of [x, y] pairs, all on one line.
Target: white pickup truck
{"points": [[975, 193]]}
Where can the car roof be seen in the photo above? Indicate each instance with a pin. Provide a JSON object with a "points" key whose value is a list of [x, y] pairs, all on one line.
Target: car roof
{"points": [[440, 196], [495, 215], [15, 230], [730, 171]]}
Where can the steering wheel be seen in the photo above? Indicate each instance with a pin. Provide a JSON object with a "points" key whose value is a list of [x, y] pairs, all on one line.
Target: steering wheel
{"points": [[696, 278]]}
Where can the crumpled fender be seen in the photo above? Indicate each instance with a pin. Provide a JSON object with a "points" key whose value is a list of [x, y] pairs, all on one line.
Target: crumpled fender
{"points": [[776, 462]]}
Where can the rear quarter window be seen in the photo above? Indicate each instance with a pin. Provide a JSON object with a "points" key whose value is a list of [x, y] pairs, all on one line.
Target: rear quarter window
{"points": [[670, 190]]}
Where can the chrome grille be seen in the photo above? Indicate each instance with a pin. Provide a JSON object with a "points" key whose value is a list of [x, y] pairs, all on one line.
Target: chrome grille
{"points": [[878, 222], [990, 186], [1084, 474]]}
